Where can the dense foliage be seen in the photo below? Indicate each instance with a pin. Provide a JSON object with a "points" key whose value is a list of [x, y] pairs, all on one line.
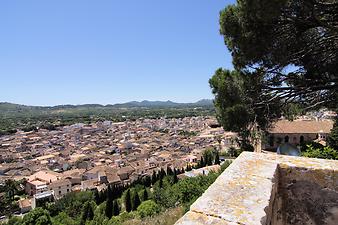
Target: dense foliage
{"points": [[332, 139], [118, 204], [27, 118], [319, 151], [148, 208], [285, 54], [10, 192], [235, 98], [289, 46]]}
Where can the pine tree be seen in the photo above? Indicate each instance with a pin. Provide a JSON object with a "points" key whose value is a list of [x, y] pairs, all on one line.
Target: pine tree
{"points": [[116, 208], [136, 201], [109, 203], [127, 201], [145, 195]]}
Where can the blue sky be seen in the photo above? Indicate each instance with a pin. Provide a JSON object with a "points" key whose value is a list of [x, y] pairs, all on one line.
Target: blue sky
{"points": [[79, 51]]}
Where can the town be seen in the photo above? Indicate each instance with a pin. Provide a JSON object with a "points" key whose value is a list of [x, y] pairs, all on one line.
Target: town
{"points": [[169, 112], [86, 157], [93, 156]]}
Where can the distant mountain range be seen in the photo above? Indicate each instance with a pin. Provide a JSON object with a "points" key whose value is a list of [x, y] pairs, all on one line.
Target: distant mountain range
{"points": [[5, 106], [203, 102]]}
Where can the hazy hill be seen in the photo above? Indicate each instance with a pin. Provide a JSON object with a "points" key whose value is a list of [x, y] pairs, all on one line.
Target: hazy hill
{"points": [[15, 116], [10, 107]]}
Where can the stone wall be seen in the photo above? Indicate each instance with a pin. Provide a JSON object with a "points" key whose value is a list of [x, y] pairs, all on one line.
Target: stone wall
{"points": [[270, 189]]}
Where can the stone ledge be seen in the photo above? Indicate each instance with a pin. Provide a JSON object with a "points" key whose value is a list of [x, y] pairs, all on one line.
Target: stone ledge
{"points": [[246, 192]]}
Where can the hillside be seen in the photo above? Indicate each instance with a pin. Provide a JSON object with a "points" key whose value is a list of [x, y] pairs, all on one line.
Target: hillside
{"points": [[15, 116]]}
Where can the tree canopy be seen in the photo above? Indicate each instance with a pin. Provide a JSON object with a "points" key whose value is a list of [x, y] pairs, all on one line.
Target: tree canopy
{"points": [[285, 54], [291, 46]]}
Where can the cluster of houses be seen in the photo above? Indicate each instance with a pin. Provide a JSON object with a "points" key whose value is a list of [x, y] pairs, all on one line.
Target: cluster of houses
{"points": [[88, 157]]}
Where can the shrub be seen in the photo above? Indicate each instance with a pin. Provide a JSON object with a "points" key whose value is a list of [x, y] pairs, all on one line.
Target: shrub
{"points": [[148, 208], [38, 216], [320, 152]]}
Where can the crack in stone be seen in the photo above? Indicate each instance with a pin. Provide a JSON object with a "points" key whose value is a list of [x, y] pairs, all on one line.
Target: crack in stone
{"points": [[218, 217]]}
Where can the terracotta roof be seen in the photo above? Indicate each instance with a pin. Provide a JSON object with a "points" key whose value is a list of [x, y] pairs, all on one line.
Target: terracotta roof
{"points": [[58, 183], [73, 173], [89, 184], [126, 169], [37, 182], [113, 177], [302, 127], [24, 203], [48, 176]]}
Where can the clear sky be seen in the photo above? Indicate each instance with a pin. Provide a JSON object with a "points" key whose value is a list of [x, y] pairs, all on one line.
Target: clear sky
{"points": [[86, 51]]}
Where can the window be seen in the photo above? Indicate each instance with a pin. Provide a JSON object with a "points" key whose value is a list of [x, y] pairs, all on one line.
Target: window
{"points": [[67, 190], [286, 139], [59, 192], [301, 139]]}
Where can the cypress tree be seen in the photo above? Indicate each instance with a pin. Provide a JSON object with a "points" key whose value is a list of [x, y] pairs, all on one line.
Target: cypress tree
{"points": [[127, 201], [90, 213], [208, 159], [109, 203], [102, 196], [217, 159], [161, 183], [119, 190], [162, 173], [97, 197], [136, 201], [145, 195], [87, 212], [202, 162], [147, 182], [114, 192], [116, 208], [175, 179], [153, 178], [169, 170]]}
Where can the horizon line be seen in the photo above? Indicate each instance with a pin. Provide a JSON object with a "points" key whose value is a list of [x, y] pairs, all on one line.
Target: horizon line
{"points": [[108, 104]]}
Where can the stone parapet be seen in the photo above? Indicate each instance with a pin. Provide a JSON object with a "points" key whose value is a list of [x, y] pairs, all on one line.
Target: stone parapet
{"points": [[270, 189]]}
